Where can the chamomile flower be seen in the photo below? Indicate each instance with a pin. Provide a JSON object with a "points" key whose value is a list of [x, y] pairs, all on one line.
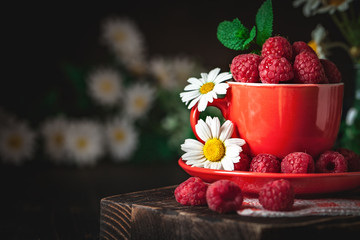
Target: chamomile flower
{"points": [[317, 43], [126, 41], [54, 134], [162, 69], [219, 150], [310, 6], [205, 89], [105, 86], [17, 142], [84, 142], [122, 139], [138, 100], [332, 6]]}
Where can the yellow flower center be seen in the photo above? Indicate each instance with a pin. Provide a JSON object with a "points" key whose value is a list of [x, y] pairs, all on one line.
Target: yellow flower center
{"points": [[119, 135], [58, 139], [81, 143], [314, 46], [119, 36], [214, 150], [334, 2], [207, 87], [106, 86], [140, 103], [15, 142]]}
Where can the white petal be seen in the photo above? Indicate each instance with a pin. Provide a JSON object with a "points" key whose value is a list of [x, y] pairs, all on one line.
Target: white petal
{"points": [[208, 120], [195, 81], [191, 87], [204, 77], [233, 151], [226, 130], [215, 127], [213, 74], [202, 103], [203, 130], [187, 96], [222, 77], [192, 144], [194, 101], [227, 164], [237, 141], [221, 88]]}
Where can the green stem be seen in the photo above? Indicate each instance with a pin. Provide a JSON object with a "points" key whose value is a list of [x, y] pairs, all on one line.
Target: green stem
{"points": [[349, 27], [341, 27]]}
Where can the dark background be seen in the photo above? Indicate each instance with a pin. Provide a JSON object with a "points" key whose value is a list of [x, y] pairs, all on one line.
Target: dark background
{"points": [[47, 202]]}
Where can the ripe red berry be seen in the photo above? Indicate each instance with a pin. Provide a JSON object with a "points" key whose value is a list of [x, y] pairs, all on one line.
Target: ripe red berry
{"points": [[191, 192], [244, 68], [224, 196], [308, 69], [352, 158], [278, 46], [277, 195], [331, 71], [299, 47], [331, 162], [264, 162], [275, 69], [297, 162], [243, 164]]}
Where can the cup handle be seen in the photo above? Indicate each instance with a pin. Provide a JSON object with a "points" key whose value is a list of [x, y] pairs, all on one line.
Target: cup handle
{"points": [[221, 103]]}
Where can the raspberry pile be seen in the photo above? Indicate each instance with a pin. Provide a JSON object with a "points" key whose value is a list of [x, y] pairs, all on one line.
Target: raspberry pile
{"points": [[281, 62], [340, 160], [225, 196]]}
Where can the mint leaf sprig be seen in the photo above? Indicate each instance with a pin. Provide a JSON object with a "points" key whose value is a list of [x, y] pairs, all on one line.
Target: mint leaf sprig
{"points": [[234, 35]]}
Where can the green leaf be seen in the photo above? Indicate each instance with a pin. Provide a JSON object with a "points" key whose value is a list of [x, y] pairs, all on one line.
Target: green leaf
{"points": [[264, 22], [233, 34], [251, 37]]}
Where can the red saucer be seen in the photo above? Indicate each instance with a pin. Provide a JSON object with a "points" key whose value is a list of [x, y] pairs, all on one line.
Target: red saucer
{"points": [[251, 182]]}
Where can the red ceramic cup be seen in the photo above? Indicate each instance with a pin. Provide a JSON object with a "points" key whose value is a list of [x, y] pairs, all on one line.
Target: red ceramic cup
{"points": [[282, 118]]}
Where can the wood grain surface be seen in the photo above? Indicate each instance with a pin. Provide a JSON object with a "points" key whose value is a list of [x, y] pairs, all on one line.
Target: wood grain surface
{"points": [[154, 214]]}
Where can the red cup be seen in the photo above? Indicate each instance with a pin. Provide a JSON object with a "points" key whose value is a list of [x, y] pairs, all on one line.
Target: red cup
{"points": [[282, 118]]}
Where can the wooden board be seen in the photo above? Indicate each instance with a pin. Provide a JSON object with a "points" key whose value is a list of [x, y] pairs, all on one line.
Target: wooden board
{"points": [[155, 214]]}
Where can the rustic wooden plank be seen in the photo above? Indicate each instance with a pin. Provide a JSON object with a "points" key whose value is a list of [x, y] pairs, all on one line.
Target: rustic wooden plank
{"points": [[154, 214]]}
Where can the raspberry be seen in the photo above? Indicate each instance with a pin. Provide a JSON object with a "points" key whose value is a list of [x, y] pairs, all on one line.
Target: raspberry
{"points": [[191, 192], [277, 195], [264, 162], [297, 162], [308, 69], [278, 46], [331, 71], [352, 158], [243, 164], [275, 69], [244, 68], [299, 47], [224, 196], [331, 162]]}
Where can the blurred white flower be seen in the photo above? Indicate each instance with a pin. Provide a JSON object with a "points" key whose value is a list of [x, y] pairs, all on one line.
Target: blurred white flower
{"points": [[122, 139], [317, 43], [184, 68], [205, 89], [105, 86], [84, 142], [332, 6], [162, 70], [310, 6], [172, 72], [138, 100], [17, 142], [54, 134], [126, 41]]}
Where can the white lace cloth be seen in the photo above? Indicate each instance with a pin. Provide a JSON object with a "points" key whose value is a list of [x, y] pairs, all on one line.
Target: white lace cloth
{"points": [[305, 207]]}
